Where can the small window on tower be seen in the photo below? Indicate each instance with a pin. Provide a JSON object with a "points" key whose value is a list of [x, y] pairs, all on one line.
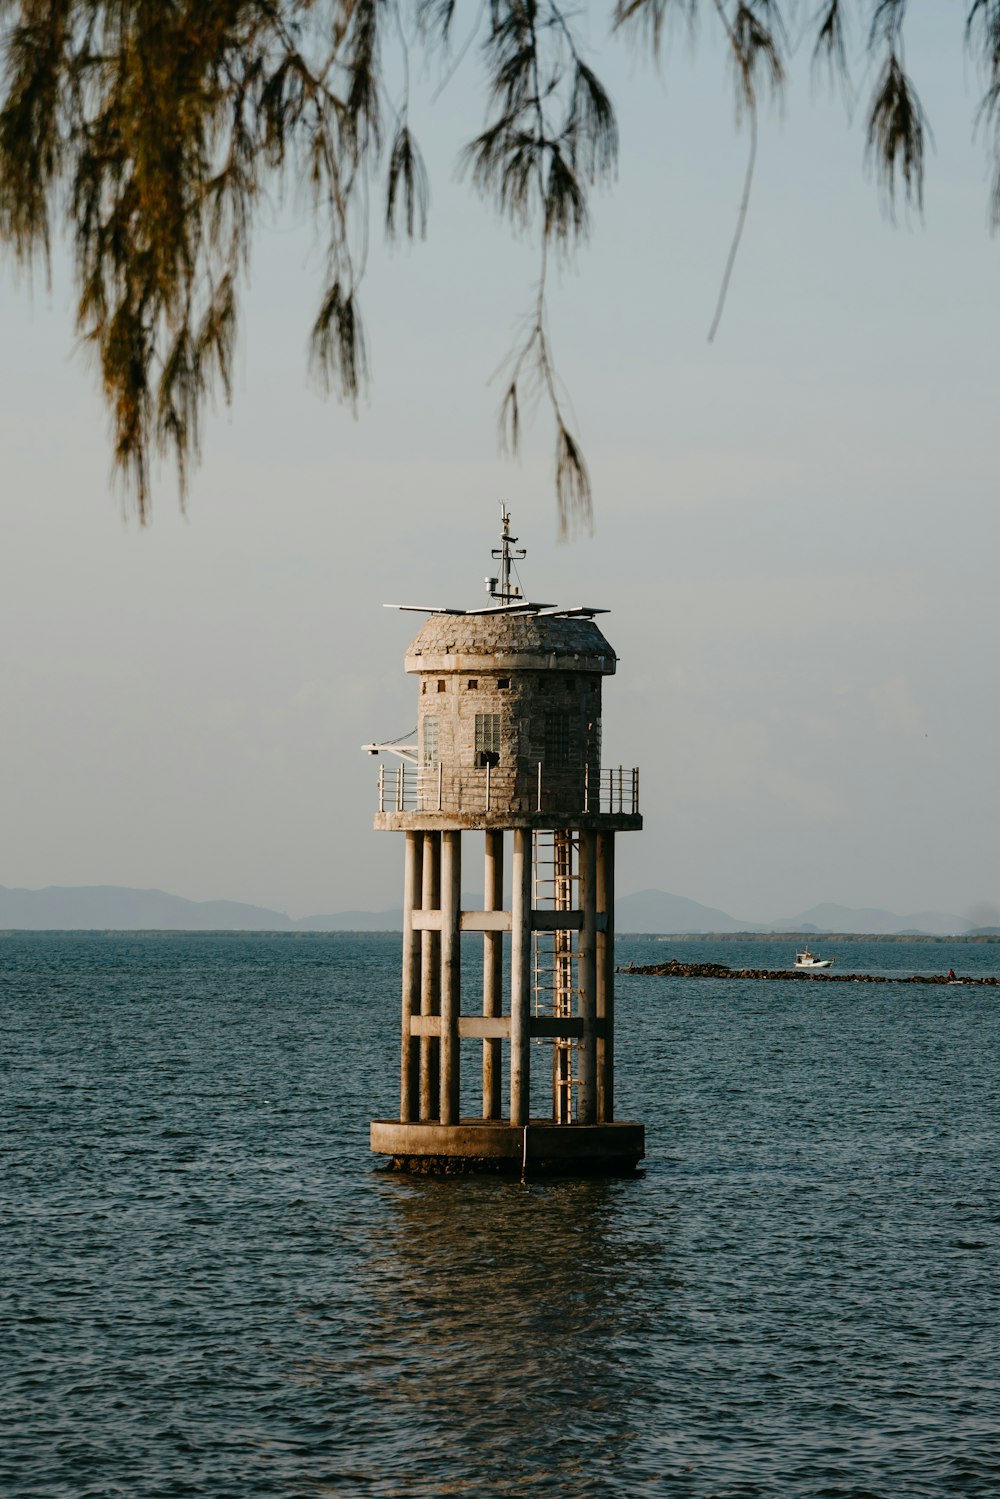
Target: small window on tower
{"points": [[429, 754], [441, 686], [561, 751], [503, 683], [487, 739], [473, 684]]}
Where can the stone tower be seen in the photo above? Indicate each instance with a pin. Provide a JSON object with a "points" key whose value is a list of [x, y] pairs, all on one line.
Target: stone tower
{"points": [[509, 743]]}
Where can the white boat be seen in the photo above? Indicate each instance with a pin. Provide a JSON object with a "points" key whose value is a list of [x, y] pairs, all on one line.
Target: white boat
{"points": [[805, 959]]}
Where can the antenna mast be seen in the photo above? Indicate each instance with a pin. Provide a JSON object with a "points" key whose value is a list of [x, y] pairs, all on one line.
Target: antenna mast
{"points": [[505, 553]]}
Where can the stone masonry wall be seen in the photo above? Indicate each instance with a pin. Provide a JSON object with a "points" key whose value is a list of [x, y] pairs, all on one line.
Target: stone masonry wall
{"points": [[547, 718], [542, 676]]}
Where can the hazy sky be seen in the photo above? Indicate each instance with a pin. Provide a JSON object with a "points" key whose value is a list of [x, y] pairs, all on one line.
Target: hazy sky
{"points": [[796, 530]]}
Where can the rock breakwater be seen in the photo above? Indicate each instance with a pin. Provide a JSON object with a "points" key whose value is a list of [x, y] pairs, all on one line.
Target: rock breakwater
{"points": [[674, 969]]}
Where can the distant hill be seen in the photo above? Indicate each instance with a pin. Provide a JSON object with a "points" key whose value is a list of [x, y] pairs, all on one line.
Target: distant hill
{"points": [[657, 911], [119, 908], [834, 918]]}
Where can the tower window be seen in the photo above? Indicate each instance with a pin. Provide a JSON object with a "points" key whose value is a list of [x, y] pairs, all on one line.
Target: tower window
{"points": [[429, 753], [441, 686], [561, 747], [473, 684], [487, 739], [503, 684]]}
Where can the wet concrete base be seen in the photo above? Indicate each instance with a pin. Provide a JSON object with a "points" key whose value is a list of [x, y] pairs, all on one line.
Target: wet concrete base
{"points": [[495, 1147]]}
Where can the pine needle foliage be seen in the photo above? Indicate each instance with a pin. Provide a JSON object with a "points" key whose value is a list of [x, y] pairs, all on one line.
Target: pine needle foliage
{"points": [[153, 134]]}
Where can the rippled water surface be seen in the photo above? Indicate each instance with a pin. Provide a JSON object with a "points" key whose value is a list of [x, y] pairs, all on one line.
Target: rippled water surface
{"points": [[208, 1290]]}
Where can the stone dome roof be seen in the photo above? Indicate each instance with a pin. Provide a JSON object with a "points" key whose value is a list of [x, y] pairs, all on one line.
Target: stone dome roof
{"points": [[513, 639]]}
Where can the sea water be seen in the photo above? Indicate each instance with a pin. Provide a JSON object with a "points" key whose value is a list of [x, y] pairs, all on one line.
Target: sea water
{"points": [[209, 1288]]}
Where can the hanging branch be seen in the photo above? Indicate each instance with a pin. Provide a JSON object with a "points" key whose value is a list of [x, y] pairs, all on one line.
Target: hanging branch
{"points": [[830, 47], [896, 121], [754, 49], [153, 136], [741, 219], [552, 137], [983, 24]]}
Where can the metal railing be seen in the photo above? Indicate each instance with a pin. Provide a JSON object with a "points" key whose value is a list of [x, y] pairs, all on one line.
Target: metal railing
{"points": [[618, 790], [397, 788], [408, 788]]}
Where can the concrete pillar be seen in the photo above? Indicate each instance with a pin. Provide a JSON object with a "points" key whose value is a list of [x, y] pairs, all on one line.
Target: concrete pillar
{"points": [[520, 978], [588, 979], [451, 941], [492, 971], [409, 1066], [430, 977], [606, 979]]}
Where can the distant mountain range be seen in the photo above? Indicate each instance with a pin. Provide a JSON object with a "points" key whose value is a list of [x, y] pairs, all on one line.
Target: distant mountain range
{"points": [[118, 908], [656, 911]]}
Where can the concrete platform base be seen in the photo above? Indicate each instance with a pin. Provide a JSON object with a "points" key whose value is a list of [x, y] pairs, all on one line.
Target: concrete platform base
{"points": [[540, 1149]]}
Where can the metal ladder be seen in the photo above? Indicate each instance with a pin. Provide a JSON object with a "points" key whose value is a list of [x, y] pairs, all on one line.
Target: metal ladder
{"points": [[555, 867]]}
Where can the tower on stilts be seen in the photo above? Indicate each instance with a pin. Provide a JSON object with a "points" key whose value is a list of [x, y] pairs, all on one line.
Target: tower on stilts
{"points": [[509, 744]]}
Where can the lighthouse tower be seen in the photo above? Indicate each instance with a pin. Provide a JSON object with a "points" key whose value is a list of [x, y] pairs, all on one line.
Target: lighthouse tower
{"points": [[508, 744]]}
